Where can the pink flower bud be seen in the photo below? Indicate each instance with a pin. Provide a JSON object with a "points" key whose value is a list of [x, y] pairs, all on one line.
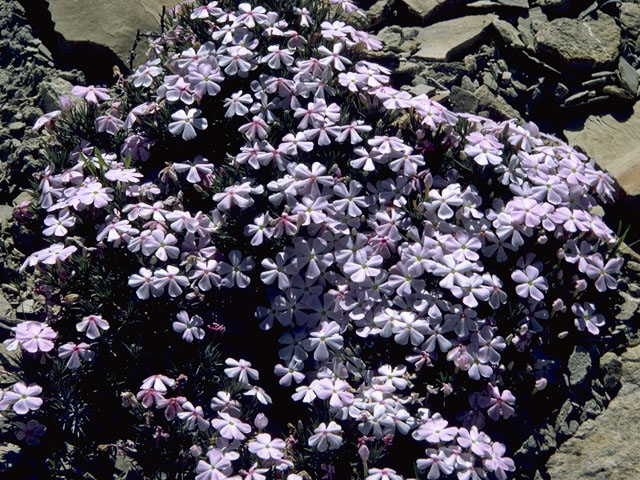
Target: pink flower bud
{"points": [[446, 389], [542, 239], [195, 451], [581, 285], [560, 254], [261, 421], [558, 305], [541, 383], [363, 451]]}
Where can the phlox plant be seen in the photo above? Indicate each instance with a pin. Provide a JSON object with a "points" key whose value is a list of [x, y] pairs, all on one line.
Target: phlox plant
{"points": [[256, 216]]}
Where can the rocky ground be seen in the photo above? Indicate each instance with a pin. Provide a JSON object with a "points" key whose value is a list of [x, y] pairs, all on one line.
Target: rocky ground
{"points": [[569, 66]]}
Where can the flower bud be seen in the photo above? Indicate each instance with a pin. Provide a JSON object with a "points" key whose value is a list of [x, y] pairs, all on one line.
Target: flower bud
{"points": [[261, 421], [363, 451], [558, 305], [195, 451], [541, 384], [542, 239], [446, 389], [581, 285]]}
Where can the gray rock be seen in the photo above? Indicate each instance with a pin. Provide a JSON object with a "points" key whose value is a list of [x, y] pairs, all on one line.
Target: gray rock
{"points": [[16, 128], [611, 366], [51, 90], [428, 10], [526, 33], [6, 214], [628, 77], [628, 307], [489, 81], [606, 447], [613, 140], [630, 18], [375, 14], [540, 443], [565, 424], [420, 89], [560, 92], [579, 366], [617, 92], [6, 310], [10, 454], [390, 36], [508, 34], [495, 105], [463, 100], [579, 46], [445, 40], [111, 24]]}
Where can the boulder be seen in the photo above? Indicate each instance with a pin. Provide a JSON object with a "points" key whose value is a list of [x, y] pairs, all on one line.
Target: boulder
{"points": [[443, 41], [606, 447], [508, 34], [579, 46], [427, 10], [630, 18], [111, 25], [497, 106], [613, 140]]}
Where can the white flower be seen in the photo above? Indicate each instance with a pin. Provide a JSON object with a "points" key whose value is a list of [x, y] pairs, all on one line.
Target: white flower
{"points": [[185, 123], [240, 369], [230, 427], [189, 327], [74, 352], [92, 324], [267, 448], [326, 436]]}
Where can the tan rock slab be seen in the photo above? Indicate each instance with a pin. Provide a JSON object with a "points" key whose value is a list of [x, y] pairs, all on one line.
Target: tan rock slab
{"points": [[426, 10], [613, 141], [112, 24], [606, 447], [443, 41]]}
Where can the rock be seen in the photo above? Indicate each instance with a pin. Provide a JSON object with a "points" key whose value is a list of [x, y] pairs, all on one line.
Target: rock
{"points": [[445, 40], [617, 92], [613, 140], [628, 307], [489, 81], [463, 100], [508, 34], [51, 90], [390, 36], [579, 366], [6, 214], [540, 443], [606, 447], [375, 14], [565, 424], [420, 89], [523, 4], [579, 46], [6, 310], [628, 77], [630, 18], [611, 366], [112, 25], [427, 10], [10, 454], [16, 128], [495, 105]]}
